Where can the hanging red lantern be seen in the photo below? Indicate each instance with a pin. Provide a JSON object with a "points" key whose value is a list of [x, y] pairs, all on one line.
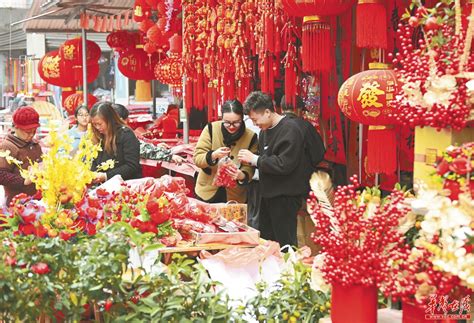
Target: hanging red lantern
{"points": [[73, 101], [136, 65], [52, 70], [141, 10], [121, 39], [367, 98], [149, 48], [93, 70], [161, 23], [71, 51], [145, 25], [152, 3], [154, 34], [316, 7], [176, 44]]}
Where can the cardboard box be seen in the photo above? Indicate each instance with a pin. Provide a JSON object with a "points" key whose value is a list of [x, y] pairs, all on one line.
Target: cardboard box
{"points": [[429, 144]]}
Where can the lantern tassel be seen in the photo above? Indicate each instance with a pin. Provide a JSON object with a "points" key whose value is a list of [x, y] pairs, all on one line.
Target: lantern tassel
{"points": [[381, 150], [371, 24], [316, 41]]}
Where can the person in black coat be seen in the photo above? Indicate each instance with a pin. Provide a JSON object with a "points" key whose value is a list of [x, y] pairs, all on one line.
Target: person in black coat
{"points": [[281, 169], [118, 142]]}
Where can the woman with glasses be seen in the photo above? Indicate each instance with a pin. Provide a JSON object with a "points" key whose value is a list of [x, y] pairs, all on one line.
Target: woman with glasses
{"points": [[80, 129], [224, 139], [118, 142]]}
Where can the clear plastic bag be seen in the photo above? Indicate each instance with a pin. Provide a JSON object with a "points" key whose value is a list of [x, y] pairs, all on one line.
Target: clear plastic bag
{"points": [[223, 178]]}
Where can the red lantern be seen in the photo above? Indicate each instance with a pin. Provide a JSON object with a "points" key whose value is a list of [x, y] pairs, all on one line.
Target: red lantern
{"points": [[149, 48], [122, 39], [141, 10], [152, 3], [170, 71], [176, 44], [93, 71], [73, 101], [367, 98], [52, 70], [154, 34], [316, 7], [145, 25], [71, 51], [136, 65]]}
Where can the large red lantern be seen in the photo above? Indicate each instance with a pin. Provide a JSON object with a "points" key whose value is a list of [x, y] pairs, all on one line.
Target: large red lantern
{"points": [[137, 65], [73, 101], [316, 7], [52, 70], [123, 40], [367, 98], [71, 51]]}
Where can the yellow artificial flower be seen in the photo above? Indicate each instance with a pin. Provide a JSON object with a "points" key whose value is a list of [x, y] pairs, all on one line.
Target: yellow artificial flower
{"points": [[109, 164]]}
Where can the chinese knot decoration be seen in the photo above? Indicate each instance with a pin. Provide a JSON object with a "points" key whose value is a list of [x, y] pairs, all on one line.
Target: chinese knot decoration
{"points": [[367, 98], [316, 7], [437, 71]]}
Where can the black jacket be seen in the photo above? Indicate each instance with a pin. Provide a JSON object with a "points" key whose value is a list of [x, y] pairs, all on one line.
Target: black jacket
{"points": [[313, 145], [127, 159], [281, 164]]}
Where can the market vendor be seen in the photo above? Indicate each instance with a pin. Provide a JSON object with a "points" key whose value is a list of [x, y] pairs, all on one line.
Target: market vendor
{"points": [[22, 147], [118, 142], [220, 139]]}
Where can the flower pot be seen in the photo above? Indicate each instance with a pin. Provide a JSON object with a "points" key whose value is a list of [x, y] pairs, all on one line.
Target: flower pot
{"points": [[413, 314], [453, 187], [355, 304]]}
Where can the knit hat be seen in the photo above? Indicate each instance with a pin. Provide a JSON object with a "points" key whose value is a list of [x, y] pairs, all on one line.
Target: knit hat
{"points": [[26, 118]]}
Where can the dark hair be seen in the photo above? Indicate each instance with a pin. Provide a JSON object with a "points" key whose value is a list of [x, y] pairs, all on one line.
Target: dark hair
{"points": [[233, 106], [258, 101], [105, 111], [79, 108], [121, 110], [288, 106]]}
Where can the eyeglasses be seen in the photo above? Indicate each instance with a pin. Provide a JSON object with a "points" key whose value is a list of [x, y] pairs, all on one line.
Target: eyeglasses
{"points": [[235, 124], [83, 115]]}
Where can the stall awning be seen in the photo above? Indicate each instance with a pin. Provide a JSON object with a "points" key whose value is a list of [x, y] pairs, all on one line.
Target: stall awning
{"points": [[63, 15]]}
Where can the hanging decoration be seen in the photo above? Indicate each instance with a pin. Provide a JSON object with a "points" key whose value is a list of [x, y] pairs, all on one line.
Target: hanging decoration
{"points": [[437, 73], [316, 45], [170, 70], [137, 65], [371, 24], [72, 102], [367, 98], [300, 8]]}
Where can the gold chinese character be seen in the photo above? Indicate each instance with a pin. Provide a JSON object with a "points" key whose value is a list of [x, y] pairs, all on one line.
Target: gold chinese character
{"points": [[369, 93], [68, 52], [138, 11]]}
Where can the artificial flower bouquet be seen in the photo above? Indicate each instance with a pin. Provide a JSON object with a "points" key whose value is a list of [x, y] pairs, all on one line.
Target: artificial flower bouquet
{"points": [[455, 169], [441, 259], [435, 67], [359, 237]]}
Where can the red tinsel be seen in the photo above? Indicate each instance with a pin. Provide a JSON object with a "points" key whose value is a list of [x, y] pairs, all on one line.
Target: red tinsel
{"points": [[316, 45]]}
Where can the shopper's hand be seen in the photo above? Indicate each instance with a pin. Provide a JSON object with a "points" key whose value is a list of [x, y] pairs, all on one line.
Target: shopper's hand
{"points": [[220, 153], [177, 159], [27, 181], [246, 156], [100, 177], [236, 173]]}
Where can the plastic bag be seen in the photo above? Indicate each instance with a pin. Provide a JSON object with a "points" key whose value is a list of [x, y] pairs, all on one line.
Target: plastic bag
{"points": [[223, 178]]}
